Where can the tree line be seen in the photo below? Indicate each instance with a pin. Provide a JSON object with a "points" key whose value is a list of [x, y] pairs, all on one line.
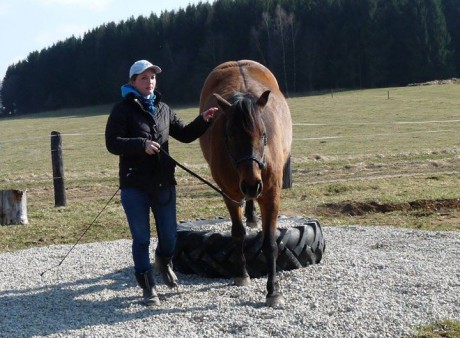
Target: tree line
{"points": [[308, 44]]}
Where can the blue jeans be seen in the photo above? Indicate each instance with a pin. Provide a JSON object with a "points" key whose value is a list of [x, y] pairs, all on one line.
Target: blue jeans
{"points": [[137, 204]]}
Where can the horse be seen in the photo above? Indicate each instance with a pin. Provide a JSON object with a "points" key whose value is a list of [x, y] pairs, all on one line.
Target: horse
{"points": [[246, 148]]}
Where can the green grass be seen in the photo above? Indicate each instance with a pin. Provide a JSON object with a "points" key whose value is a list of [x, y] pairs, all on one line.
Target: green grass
{"points": [[358, 146], [441, 329]]}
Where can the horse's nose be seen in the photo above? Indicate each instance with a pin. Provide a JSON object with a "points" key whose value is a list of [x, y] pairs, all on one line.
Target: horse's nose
{"points": [[251, 191]]}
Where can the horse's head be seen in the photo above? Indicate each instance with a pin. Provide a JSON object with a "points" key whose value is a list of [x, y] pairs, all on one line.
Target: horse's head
{"points": [[246, 139]]}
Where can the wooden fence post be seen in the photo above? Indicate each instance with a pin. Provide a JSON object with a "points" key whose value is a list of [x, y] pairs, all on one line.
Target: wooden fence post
{"points": [[13, 207], [287, 174], [58, 169]]}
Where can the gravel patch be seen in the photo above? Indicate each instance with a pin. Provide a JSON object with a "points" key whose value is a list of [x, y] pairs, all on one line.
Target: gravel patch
{"points": [[371, 282]]}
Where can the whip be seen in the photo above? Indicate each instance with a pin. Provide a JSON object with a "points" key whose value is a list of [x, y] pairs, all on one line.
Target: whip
{"points": [[83, 234]]}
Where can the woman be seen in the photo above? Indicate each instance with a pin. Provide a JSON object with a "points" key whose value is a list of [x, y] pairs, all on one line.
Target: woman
{"points": [[137, 128]]}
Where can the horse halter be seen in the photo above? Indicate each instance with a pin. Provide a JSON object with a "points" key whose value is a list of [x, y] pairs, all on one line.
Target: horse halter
{"points": [[237, 162]]}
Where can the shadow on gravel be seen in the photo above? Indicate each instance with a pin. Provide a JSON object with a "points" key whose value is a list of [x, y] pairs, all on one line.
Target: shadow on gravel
{"points": [[61, 307]]}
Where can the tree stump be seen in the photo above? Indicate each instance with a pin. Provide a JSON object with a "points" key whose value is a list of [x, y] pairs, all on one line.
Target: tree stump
{"points": [[13, 207]]}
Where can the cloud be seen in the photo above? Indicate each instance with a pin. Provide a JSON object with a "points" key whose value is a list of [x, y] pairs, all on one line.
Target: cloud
{"points": [[93, 5]]}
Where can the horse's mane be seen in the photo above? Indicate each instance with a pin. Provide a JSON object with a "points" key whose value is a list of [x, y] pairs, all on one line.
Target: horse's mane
{"points": [[245, 112]]}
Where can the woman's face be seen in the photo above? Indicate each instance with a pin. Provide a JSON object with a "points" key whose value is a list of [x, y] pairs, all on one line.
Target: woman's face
{"points": [[145, 82]]}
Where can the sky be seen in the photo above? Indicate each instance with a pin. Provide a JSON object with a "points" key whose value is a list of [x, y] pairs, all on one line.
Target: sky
{"points": [[32, 25]]}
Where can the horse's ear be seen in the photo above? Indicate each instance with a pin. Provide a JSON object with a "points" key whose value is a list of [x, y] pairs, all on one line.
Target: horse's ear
{"points": [[223, 103], [263, 99]]}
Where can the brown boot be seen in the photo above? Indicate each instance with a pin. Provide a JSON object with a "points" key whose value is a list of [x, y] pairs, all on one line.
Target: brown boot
{"points": [[165, 267], [146, 281]]}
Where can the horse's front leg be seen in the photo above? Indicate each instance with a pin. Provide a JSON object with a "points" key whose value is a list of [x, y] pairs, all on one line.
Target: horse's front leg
{"points": [[270, 248], [269, 210], [241, 277]]}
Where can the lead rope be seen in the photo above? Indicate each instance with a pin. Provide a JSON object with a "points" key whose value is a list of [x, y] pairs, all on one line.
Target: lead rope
{"points": [[240, 203]]}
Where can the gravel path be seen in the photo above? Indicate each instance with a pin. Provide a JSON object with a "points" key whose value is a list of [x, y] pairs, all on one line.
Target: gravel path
{"points": [[372, 282]]}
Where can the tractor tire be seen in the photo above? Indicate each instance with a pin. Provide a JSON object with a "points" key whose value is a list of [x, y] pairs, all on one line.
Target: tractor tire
{"points": [[213, 254]]}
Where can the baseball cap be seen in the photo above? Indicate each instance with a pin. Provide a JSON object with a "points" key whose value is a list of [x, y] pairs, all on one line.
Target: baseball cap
{"points": [[140, 66]]}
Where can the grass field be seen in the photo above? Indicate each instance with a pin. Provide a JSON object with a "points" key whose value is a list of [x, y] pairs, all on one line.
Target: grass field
{"points": [[372, 157]]}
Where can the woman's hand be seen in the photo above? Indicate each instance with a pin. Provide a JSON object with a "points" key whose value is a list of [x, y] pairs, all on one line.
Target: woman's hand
{"points": [[208, 115], [152, 147]]}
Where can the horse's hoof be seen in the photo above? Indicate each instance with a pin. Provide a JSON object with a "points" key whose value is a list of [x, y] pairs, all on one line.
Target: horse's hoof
{"points": [[241, 281], [275, 301]]}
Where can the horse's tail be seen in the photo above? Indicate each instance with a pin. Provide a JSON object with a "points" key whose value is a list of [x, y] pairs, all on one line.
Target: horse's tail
{"points": [[287, 174]]}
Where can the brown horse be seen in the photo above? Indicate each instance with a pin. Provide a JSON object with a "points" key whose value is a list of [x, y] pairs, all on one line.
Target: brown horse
{"points": [[246, 148]]}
